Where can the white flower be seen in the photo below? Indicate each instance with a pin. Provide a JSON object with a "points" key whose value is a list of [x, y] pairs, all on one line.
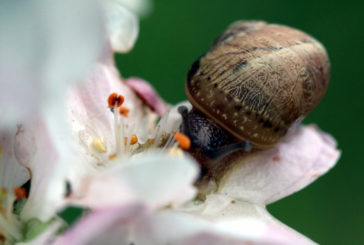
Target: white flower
{"points": [[122, 153], [114, 158], [233, 211], [113, 168], [114, 176], [106, 148]]}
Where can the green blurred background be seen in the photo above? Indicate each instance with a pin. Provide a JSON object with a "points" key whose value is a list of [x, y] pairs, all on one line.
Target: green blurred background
{"points": [[175, 33]]}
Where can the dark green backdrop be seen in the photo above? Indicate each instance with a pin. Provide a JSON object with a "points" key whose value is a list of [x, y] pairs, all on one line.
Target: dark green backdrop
{"points": [[330, 211]]}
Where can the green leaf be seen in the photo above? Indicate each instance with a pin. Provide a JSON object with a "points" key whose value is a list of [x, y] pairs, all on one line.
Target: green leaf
{"points": [[33, 227], [71, 214]]}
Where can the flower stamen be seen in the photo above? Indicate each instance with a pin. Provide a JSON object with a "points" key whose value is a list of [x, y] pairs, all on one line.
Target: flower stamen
{"points": [[183, 141], [121, 140], [112, 156], [115, 100], [98, 145], [124, 111], [133, 139]]}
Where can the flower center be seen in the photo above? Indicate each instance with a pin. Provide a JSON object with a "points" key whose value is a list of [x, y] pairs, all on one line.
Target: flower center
{"points": [[127, 144]]}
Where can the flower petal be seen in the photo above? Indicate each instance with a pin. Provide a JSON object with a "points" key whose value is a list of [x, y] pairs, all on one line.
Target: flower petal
{"points": [[38, 43], [35, 150], [87, 101], [122, 26], [135, 224], [92, 119], [224, 211], [99, 227], [147, 93], [171, 227], [12, 174], [290, 166], [153, 179]]}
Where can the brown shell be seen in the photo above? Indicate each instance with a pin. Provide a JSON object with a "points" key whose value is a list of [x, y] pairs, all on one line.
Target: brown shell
{"points": [[257, 79]]}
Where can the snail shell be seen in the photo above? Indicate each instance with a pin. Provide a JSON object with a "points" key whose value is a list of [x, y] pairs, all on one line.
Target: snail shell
{"points": [[257, 79]]}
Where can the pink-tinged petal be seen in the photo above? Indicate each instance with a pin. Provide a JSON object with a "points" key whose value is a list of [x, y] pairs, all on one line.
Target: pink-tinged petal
{"points": [[87, 101], [35, 150], [154, 179], [106, 226], [254, 233], [12, 174], [225, 212], [170, 227], [106, 55], [92, 119], [291, 165], [136, 224], [148, 94]]}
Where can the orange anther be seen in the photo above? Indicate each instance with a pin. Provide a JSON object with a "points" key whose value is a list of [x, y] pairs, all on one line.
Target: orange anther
{"points": [[133, 139], [183, 141], [124, 111], [112, 156], [20, 193], [115, 100]]}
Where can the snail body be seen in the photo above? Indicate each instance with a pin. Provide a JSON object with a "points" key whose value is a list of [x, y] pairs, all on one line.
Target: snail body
{"points": [[256, 80]]}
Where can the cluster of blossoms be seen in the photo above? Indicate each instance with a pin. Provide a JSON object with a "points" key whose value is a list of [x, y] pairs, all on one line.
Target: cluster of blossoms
{"points": [[111, 145]]}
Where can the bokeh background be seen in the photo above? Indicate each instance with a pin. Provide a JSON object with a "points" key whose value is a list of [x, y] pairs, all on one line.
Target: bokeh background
{"points": [[331, 210]]}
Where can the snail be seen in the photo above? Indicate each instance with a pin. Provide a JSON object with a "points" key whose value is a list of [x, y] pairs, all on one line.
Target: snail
{"points": [[254, 83]]}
